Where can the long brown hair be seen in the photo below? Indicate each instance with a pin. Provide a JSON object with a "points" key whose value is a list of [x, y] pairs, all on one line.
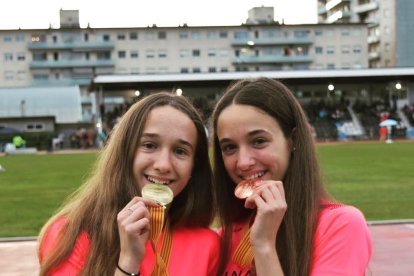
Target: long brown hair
{"points": [[94, 206], [302, 181]]}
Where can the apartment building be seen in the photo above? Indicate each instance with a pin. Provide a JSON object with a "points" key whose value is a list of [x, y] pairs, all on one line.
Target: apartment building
{"points": [[389, 24], [72, 56]]}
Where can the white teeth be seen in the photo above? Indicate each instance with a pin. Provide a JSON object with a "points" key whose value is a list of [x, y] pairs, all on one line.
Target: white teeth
{"points": [[154, 180], [254, 176]]}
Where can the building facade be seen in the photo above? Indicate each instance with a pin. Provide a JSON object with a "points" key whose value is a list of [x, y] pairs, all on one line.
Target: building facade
{"points": [[71, 55], [389, 25]]}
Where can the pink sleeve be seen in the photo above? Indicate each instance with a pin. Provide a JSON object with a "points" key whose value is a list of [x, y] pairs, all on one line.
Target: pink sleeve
{"points": [[75, 262], [343, 243]]}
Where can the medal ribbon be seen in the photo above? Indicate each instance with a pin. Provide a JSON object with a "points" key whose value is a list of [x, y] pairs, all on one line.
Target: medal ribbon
{"points": [[243, 255], [156, 224]]}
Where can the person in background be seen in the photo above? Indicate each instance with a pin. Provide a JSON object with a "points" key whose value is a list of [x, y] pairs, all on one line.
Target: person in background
{"points": [[107, 226], [287, 224], [19, 142]]}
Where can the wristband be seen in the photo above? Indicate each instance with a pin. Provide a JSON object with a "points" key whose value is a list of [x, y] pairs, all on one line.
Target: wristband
{"points": [[127, 273]]}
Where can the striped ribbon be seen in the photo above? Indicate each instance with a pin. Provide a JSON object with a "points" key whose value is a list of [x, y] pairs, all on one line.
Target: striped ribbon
{"points": [[243, 255], [156, 224]]}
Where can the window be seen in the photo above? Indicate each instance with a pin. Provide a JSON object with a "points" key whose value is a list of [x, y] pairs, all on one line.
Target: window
{"points": [[318, 32], [8, 75], [162, 53], [331, 66], [224, 69], [162, 35], [8, 57], [330, 50], [184, 53], [318, 50], [212, 69], [121, 36], [38, 38], [196, 70], [39, 56], [20, 37], [183, 35], [7, 38], [345, 32], [106, 37], [133, 36], [345, 49], [184, 70], [195, 35], [150, 53], [356, 49], [223, 34], [103, 55], [196, 52], [211, 52], [121, 54], [21, 75], [86, 37], [224, 52], [241, 35], [35, 127], [149, 36], [40, 76], [134, 54], [300, 33], [211, 35]]}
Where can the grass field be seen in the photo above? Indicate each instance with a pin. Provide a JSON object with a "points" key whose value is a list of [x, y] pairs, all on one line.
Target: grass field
{"points": [[378, 178]]}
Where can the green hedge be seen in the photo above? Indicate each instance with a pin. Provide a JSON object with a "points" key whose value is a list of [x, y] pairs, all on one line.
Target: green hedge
{"points": [[38, 140]]}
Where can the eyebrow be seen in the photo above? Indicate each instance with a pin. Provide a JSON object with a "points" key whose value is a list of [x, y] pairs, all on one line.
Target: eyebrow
{"points": [[249, 134], [180, 141]]}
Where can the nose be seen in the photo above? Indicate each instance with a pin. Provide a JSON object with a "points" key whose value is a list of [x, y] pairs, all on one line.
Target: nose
{"points": [[162, 162], [245, 159]]}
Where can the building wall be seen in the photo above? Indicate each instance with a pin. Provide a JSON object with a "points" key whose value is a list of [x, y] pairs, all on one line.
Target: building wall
{"points": [[404, 30]]}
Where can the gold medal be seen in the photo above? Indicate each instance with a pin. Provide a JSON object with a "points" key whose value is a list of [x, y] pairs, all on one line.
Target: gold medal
{"points": [[244, 189], [158, 192]]}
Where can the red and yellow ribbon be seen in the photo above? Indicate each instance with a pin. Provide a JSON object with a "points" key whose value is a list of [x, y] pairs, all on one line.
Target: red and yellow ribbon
{"points": [[156, 224], [243, 255]]}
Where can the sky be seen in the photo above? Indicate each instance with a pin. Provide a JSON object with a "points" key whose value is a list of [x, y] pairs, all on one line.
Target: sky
{"points": [[40, 14]]}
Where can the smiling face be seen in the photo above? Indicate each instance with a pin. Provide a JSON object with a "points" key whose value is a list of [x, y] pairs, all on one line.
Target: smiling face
{"points": [[252, 144], [165, 152]]}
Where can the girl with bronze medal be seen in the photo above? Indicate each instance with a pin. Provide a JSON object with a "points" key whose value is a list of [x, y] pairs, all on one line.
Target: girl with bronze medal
{"points": [[147, 208], [276, 217]]}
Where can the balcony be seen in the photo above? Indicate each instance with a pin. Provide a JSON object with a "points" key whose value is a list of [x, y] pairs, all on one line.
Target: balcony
{"points": [[338, 16], [74, 46], [374, 55], [271, 59], [366, 7], [322, 10], [273, 41], [71, 63], [333, 3], [373, 39]]}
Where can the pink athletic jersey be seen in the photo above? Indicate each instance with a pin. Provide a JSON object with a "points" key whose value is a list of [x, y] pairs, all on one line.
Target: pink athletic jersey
{"points": [[342, 244], [195, 251]]}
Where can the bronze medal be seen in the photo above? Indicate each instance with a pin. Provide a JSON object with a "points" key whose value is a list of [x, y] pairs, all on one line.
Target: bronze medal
{"points": [[158, 192], [244, 189]]}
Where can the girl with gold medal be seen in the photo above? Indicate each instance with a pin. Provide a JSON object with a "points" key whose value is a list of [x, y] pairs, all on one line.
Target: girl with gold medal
{"points": [[147, 208]]}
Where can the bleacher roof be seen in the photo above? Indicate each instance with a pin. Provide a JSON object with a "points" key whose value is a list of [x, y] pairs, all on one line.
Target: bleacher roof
{"points": [[288, 74]]}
